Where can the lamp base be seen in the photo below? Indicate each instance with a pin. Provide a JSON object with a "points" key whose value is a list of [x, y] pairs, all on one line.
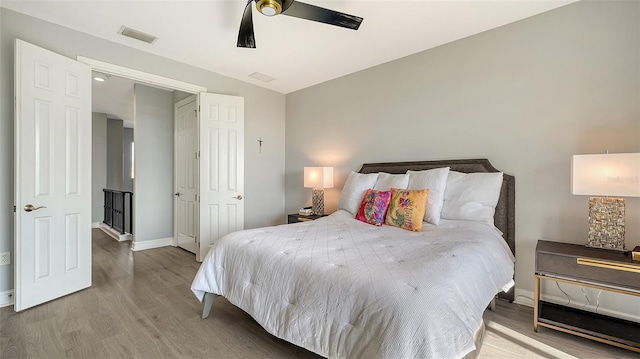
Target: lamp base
{"points": [[606, 223], [317, 199]]}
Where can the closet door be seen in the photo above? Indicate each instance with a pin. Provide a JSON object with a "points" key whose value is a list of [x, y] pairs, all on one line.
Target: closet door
{"points": [[221, 132], [186, 174]]}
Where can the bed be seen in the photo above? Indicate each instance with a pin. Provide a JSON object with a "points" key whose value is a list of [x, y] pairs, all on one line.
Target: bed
{"points": [[345, 289]]}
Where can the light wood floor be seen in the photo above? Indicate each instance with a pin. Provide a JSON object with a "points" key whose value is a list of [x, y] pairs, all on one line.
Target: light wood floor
{"points": [[140, 306]]}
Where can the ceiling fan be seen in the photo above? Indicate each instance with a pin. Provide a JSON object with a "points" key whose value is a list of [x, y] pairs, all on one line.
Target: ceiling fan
{"points": [[295, 9]]}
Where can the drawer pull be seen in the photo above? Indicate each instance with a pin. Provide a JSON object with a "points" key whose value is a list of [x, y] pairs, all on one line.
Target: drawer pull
{"points": [[609, 265]]}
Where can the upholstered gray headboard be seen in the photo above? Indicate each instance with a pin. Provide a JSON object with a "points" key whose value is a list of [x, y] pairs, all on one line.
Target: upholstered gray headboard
{"points": [[504, 217]]}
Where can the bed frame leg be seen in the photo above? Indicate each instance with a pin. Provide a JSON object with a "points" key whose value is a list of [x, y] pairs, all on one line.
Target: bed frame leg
{"points": [[208, 303], [492, 305]]}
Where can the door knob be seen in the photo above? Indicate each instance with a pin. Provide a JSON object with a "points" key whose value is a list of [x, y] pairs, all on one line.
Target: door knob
{"points": [[238, 197], [29, 207], [176, 194]]}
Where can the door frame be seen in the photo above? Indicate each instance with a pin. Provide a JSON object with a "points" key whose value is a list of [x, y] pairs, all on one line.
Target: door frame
{"points": [[145, 78], [140, 76]]}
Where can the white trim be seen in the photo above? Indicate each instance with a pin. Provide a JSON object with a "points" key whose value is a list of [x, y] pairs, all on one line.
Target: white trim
{"points": [[140, 76], [120, 237], [150, 244], [6, 298], [523, 294], [578, 303], [95, 224]]}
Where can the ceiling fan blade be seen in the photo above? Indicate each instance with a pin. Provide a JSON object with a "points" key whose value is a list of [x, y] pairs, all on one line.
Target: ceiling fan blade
{"points": [[319, 14], [245, 35]]}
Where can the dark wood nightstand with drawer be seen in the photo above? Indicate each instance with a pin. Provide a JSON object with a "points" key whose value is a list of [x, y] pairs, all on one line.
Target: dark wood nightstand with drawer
{"points": [[590, 267]]}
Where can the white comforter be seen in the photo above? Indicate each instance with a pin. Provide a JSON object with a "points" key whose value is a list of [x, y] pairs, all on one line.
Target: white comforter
{"points": [[345, 289]]}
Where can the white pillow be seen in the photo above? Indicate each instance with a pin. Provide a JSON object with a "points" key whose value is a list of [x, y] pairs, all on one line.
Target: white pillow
{"points": [[386, 181], [472, 196], [354, 189], [436, 181]]}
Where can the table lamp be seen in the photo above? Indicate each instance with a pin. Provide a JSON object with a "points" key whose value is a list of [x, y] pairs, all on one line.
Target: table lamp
{"points": [[601, 176], [318, 178]]}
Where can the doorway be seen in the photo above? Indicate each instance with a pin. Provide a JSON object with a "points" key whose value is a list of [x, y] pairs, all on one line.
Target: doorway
{"points": [[220, 162], [119, 106], [223, 175], [153, 190]]}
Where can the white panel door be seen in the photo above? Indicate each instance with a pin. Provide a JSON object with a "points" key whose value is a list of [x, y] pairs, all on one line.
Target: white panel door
{"points": [[52, 176], [221, 168], [186, 172]]}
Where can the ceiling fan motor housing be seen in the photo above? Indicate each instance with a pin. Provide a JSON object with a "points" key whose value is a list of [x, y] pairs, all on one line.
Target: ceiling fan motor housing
{"points": [[291, 8], [269, 7]]}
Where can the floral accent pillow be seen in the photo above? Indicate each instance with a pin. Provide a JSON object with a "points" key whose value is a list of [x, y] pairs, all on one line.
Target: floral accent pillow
{"points": [[374, 207], [406, 208]]}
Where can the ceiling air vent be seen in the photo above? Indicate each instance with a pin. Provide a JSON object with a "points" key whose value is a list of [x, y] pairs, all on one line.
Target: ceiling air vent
{"points": [[138, 35], [262, 77]]}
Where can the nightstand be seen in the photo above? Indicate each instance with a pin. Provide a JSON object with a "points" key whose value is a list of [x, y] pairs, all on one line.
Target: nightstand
{"points": [[589, 267], [295, 218]]}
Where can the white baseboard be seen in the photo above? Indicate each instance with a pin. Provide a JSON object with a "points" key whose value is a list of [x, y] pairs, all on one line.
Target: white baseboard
{"points": [[120, 237], [525, 297], [95, 224], [150, 244], [6, 298]]}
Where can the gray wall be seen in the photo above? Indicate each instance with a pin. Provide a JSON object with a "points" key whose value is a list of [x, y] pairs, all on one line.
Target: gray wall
{"points": [[110, 160], [153, 204], [526, 96], [264, 116], [114, 154], [127, 180], [127, 140], [98, 165]]}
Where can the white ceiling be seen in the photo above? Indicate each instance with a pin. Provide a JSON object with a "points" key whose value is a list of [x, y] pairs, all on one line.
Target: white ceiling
{"points": [[114, 97], [297, 53]]}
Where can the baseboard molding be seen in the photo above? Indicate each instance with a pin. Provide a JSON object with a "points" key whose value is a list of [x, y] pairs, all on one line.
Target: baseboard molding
{"points": [[95, 224], [579, 303], [120, 237], [6, 298], [150, 244], [521, 294]]}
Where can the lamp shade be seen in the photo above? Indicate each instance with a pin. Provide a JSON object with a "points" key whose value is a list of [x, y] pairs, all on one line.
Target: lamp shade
{"points": [[606, 175], [318, 177]]}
